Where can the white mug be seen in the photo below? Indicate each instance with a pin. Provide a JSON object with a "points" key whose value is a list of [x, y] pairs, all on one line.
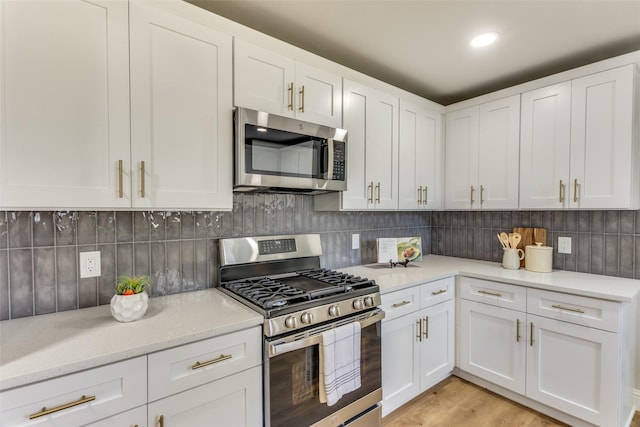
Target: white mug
{"points": [[511, 258]]}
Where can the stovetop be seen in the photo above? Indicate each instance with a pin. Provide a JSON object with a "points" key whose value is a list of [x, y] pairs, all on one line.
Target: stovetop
{"points": [[290, 290], [280, 277]]}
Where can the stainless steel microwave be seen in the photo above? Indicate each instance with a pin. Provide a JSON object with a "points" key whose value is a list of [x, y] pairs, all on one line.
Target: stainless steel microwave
{"points": [[282, 154]]}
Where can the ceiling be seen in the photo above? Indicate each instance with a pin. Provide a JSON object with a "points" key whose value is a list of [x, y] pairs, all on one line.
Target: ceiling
{"points": [[423, 46]]}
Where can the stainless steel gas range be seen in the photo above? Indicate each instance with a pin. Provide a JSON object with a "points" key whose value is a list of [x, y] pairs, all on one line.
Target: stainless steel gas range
{"points": [[281, 278]]}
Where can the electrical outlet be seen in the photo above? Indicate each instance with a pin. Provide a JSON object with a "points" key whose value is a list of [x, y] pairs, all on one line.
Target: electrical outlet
{"points": [[90, 264], [564, 245], [355, 241]]}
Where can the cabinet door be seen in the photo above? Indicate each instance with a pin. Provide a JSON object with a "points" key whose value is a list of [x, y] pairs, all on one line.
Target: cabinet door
{"points": [[382, 149], [400, 361], [181, 112], [437, 351], [419, 157], [355, 122], [492, 344], [545, 138], [64, 104], [498, 153], [319, 96], [233, 401], [263, 80], [573, 369], [461, 160], [603, 159]]}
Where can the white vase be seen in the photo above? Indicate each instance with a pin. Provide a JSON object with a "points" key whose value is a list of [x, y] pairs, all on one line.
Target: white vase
{"points": [[127, 308]]}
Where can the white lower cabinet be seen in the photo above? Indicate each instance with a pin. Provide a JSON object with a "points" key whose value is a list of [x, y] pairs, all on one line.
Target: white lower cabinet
{"points": [[569, 353], [217, 381], [78, 399], [417, 341], [233, 401]]}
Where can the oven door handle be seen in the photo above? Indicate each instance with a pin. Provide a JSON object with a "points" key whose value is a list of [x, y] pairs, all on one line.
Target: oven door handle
{"points": [[280, 347]]}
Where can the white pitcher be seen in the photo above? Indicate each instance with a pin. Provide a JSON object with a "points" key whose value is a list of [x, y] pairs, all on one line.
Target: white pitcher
{"points": [[511, 258]]}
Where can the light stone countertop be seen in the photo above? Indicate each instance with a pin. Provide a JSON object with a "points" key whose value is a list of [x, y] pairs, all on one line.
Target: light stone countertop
{"points": [[42, 347], [434, 267]]}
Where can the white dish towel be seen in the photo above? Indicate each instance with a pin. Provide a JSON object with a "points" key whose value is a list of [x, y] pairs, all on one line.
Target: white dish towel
{"points": [[339, 362]]}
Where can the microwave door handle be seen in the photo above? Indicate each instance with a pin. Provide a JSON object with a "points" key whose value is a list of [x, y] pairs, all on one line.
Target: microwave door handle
{"points": [[330, 158]]}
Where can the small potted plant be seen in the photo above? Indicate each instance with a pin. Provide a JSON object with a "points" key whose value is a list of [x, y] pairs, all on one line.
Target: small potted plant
{"points": [[131, 300]]}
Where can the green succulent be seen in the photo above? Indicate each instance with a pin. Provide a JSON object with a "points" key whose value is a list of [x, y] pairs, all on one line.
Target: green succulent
{"points": [[126, 285]]}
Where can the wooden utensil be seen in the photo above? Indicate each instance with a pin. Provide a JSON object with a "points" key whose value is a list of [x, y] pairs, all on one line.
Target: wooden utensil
{"points": [[500, 240], [505, 239], [516, 239]]}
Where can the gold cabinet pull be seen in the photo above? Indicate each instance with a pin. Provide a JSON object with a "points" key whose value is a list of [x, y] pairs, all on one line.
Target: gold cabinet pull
{"points": [[420, 195], [472, 190], [161, 420], [400, 304], [517, 330], [560, 307], [370, 189], [120, 192], [301, 100], [378, 193], [531, 335], [44, 411], [493, 294], [142, 179], [481, 194], [426, 194], [419, 328], [426, 327], [222, 358], [575, 191], [290, 89], [438, 292], [561, 200]]}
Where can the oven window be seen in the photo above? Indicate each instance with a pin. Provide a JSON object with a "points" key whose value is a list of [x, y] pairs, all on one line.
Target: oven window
{"points": [[280, 153], [293, 382]]}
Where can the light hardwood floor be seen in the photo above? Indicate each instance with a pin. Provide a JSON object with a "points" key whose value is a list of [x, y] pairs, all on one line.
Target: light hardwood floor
{"points": [[458, 403]]}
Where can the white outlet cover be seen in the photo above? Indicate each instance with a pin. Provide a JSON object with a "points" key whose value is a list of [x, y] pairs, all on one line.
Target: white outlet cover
{"points": [[355, 241], [90, 264], [564, 245]]}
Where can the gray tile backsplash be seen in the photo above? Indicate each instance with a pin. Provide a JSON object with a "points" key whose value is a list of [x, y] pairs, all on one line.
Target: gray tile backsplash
{"points": [[39, 250]]}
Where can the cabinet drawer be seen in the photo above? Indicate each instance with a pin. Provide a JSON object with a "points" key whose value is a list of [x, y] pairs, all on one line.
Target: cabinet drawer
{"points": [[77, 399], [180, 368], [132, 418], [592, 312], [436, 292], [494, 293], [399, 303]]}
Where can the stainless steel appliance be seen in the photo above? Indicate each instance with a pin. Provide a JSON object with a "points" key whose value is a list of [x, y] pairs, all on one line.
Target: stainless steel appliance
{"points": [[275, 153], [280, 277]]}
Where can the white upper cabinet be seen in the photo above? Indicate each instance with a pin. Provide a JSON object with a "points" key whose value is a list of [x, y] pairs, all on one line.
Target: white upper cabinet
{"points": [[419, 157], [545, 140], [578, 148], [181, 109], [482, 150], [604, 155], [64, 104], [268, 81], [371, 120]]}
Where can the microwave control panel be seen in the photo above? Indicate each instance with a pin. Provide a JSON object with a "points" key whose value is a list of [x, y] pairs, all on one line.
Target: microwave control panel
{"points": [[339, 162]]}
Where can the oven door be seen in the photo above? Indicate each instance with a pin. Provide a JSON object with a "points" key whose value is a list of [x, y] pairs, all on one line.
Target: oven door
{"points": [[291, 378]]}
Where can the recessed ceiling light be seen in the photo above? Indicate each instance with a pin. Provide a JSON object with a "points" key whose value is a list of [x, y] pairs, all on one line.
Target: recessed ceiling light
{"points": [[484, 39]]}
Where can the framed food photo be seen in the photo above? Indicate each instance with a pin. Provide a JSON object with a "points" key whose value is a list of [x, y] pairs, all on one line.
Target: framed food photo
{"points": [[399, 249]]}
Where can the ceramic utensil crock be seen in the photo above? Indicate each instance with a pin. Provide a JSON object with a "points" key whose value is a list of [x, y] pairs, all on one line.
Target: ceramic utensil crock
{"points": [[511, 258]]}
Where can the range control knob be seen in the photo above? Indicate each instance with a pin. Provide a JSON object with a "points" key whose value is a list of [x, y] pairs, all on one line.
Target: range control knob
{"points": [[306, 318], [368, 301], [334, 311], [357, 304], [291, 322]]}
